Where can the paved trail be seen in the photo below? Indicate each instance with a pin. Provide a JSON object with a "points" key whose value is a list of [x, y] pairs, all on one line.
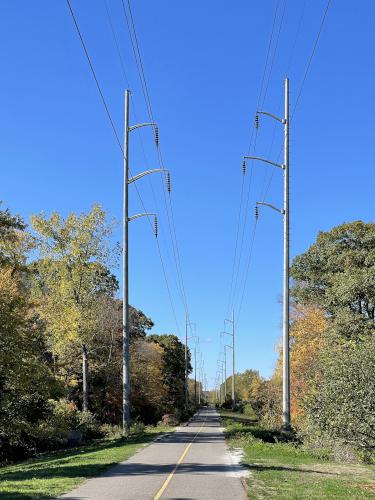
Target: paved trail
{"points": [[192, 463]]}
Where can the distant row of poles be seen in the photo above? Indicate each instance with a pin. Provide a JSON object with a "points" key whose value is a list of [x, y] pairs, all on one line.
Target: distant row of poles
{"points": [[126, 219]]}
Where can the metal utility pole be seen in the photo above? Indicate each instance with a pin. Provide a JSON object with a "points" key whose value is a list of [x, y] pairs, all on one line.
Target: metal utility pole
{"points": [[125, 276], [229, 347], [200, 380], [125, 256], [187, 324], [225, 374], [221, 368], [233, 359], [286, 361], [186, 364], [195, 375], [285, 212]]}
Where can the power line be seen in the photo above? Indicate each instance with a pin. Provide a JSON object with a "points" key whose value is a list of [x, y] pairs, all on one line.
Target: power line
{"points": [[247, 269], [140, 59], [235, 268], [117, 45], [270, 175], [255, 135], [170, 216], [256, 130], [94, 76], [311, 56], [303, 80], [275, 51], [139, 136], [121, 148], [294, 108]]}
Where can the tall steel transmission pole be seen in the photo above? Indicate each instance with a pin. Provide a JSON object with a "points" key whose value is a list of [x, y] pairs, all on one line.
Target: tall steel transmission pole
{"points": [[125, 279], [285, 212], [233, 358], [220, 362], [186, 364], [225, 374], [286, 363], [125, 255], [233, 364], [195, 375], [225, 366], [188, 324]]}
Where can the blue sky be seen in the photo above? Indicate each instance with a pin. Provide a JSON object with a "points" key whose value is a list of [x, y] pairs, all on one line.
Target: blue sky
{"points": [[204, 64]]}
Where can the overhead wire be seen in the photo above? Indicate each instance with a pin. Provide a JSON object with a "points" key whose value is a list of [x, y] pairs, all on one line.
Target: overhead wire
{"points": [[266, 171], [169, 210], [307, 69], [141, 72], [266, 184], [139, 136], [311, 56], [236, 265], [104, 102], [308, 66], [275, 51], [263, 91]]}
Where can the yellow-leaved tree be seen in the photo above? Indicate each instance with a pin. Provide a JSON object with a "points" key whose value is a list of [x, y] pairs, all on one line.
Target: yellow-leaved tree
{"points": [[307, 341], [71, 275]]}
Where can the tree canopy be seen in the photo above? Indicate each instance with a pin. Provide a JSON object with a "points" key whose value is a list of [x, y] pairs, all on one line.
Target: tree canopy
{"points": [[338, 273]]}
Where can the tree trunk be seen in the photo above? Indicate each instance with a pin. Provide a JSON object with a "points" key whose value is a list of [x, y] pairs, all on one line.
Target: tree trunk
{"points": [[85, 388]]}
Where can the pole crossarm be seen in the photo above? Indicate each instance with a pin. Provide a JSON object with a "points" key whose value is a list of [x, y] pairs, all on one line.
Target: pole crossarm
{"points": [[139, 125], [230, 347], [286, 248], [282, 166], [280, 210], [281, 120], [227, 333], [147, 172], [144, 214]]}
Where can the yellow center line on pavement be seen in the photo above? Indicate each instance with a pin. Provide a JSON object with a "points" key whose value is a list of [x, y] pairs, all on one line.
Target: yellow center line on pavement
{"points": [[168, 480]]}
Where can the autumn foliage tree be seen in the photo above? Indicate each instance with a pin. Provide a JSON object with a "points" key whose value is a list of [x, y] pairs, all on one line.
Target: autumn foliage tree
{"points": [[26, 379], [61, 337], [332, 346], [308, 338], [337, 273], [173, 376], [72, 277]]}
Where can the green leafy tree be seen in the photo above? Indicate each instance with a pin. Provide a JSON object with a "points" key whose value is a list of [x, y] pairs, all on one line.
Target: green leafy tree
{"points": [[12, 235], [72, 275], [342, 403], [26, 379], [337, 273]]}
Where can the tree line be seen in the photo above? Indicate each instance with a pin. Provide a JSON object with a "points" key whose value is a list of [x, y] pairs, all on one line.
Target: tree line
{"points": [[61, 337], [332, 347]]}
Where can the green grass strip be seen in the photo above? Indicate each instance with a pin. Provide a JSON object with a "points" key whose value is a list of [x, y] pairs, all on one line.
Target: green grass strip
{"points": [[286, 470], [55, 473]]}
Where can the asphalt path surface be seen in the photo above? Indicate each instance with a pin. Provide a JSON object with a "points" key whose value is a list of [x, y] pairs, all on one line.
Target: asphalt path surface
{"points": [[191, 463]]}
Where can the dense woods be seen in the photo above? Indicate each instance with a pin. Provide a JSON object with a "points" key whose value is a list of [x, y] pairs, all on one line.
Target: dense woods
{"points": [[61, 342], [332, 347], [61, 338]]}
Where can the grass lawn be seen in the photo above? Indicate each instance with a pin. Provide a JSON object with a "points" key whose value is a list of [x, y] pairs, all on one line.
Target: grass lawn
{"points": [[287, 471], [52, 474]]}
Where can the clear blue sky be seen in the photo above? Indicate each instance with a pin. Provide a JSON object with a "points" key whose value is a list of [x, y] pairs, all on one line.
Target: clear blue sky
{"points": [[203, 62]]}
